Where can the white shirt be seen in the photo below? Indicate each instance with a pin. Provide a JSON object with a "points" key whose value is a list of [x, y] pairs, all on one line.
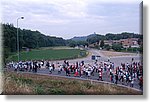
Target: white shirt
{"points": [[89, 73], [50, 68]]}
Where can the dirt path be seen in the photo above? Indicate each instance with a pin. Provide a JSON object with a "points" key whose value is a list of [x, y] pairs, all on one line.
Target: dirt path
{"points": [[114, 54]]}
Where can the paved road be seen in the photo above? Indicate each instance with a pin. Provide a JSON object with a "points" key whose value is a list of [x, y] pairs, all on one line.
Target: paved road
{"points": [[117, 61]]}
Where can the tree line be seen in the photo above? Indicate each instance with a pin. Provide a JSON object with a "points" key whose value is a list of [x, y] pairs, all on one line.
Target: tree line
{"points": [[27, 39], [111, 36], [96, 38], [116, 46]]}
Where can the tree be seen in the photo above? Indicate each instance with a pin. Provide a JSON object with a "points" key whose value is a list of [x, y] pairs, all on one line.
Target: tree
{"points": [[95, 39], [102, 44], [83, 43], [117, 47], [123, 35], [13, 44], [107, 47], [72, 43]]}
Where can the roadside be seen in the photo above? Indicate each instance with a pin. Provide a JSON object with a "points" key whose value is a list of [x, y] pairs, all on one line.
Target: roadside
{"points": [[1, 81], [114, 54], [27, 83]]}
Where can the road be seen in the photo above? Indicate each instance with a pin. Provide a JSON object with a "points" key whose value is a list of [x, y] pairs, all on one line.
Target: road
{"points": [[117, 59]]}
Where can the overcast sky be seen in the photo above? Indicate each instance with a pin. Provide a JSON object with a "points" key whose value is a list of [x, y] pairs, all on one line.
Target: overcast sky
{"points": [[69, 18]]}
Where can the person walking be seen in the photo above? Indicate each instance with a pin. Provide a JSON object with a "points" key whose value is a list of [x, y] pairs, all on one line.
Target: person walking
{"points": [[116, 78], [50, 69], [60, 67], [53, 66], [132, 82], [100, 74], [76, 73], [141, 82], [112, 78]]}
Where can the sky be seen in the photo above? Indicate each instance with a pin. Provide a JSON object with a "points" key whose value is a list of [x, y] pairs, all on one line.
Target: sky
{"points": [[69, 18]]}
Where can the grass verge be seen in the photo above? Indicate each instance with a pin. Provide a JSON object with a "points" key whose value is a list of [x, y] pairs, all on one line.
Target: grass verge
{"points": [[21, 83]]}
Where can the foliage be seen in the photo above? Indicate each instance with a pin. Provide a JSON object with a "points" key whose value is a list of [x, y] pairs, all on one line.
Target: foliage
{"points": [[83, 43], [95, 39], [73, 43], [109, 36], [56, 91], [102, 44], [39, 90], [123, 35], [141, 49], [117, 47], [27, 38], [130, 49], [107, 47]]}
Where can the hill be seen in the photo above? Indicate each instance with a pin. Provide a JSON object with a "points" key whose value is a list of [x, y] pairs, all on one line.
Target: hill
{"points": [[82, 38], [27, 39], [92, 38]]}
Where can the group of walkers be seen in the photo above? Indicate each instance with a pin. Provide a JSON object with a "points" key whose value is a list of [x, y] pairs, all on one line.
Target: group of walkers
{"points": [[126, 73], [26, 65]]}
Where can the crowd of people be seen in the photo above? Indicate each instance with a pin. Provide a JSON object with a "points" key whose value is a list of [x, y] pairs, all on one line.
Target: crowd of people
{"points": [[126, 73]]}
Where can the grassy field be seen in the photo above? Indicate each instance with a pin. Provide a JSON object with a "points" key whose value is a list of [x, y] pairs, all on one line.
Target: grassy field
{"points": [[50, 54], [40, 84]]}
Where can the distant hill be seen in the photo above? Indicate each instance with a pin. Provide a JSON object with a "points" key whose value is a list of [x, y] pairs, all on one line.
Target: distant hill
{"points": [[109, 36], [83, 38]]}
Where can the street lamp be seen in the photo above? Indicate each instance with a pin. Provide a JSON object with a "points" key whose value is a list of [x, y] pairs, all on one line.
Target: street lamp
{"points": [[18, 37]]}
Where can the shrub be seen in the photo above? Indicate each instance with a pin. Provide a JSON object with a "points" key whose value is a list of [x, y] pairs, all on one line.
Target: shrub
{"points": [[39, 90], [117, 47], [56, 91]]}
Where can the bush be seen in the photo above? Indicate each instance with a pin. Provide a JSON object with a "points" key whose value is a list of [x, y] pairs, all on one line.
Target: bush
{"points": [[107, 47], [39, 90], [134, 49], [117, 47], [56, 91]]}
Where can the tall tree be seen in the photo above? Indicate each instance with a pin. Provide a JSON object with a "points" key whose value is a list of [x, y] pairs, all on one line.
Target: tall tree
{"points": [[102, 44]]}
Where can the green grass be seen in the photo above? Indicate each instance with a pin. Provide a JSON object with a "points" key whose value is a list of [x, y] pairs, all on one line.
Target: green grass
{"points": [[49, 54]]}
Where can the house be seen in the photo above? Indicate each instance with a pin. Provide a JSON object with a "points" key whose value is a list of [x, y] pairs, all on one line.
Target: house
{"points": [[126, 43], [108, 42], [130, 42], [116, 41]]}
